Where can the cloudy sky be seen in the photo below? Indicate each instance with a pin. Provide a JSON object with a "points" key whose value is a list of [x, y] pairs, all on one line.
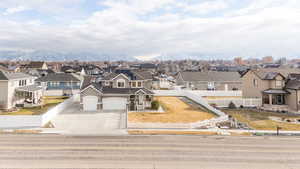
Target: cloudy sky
{"points": [[149, 28]]}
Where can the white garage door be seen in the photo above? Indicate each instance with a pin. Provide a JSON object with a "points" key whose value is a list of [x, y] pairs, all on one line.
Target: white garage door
{"points": [[90, 103], [114, 103]]}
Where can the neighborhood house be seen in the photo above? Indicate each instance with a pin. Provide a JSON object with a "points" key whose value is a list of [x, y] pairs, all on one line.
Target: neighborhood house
{"points": [[124, 89], [18, 89]]}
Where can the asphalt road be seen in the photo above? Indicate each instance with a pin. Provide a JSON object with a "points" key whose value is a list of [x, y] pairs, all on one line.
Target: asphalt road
{"points": [[148, 152]]}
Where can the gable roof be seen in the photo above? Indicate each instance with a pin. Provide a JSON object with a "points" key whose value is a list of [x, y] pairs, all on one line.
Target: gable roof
{"points": [[271, 73], [36, 64], [130, 74], [10, 75], [210, 76], [58, 77]]}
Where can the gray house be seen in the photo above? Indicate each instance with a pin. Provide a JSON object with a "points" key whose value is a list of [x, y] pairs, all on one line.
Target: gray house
{"points": [[18, 89], [209, 80], [116, 92], [59, 84]]}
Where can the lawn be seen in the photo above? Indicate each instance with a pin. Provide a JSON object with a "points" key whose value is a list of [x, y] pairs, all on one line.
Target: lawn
{"points": [[260, 119], [176, 111], [48, 103]]}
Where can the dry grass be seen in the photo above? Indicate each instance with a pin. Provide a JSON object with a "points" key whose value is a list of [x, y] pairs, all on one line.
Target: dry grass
{"points": [[49, 102], [21, 132], [166, 132], [176, 111], [259, 120]]}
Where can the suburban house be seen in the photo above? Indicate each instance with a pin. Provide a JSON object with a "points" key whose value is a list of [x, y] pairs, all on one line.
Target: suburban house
{"points": [[59, 84], [209, 80], [278, 88], [117, 91], [18, 89], [36, 65], [162, 82]]}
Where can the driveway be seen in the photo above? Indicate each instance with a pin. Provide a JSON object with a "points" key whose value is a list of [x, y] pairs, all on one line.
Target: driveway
{"points": [[75, 122]]}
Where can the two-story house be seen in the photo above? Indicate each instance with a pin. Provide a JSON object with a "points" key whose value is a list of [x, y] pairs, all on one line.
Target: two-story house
{"points": [[59, 84], [209, 80], [272, 86], [124, 89], [18, 89]]}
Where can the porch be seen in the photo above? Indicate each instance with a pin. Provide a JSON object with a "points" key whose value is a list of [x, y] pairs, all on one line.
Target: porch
{"points": [[275, 100], [28, 96], [140, 102]]}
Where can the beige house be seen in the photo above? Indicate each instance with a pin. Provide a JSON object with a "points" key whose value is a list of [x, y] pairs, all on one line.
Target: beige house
{"points": [[209, 80], [18, 89], [271, 85]]}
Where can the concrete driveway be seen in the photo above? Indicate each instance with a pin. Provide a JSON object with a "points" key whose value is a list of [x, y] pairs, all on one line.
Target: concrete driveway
{"points": [[76, 122]]}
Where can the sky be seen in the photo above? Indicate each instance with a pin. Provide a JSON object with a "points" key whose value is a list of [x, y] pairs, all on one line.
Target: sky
{"points": [[150, 28]]}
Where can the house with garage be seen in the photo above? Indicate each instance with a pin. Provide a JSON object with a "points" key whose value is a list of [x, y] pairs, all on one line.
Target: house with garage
{"points": [[121, 90], [59, 84], [278, 88], [18, 89], [209, 80]]}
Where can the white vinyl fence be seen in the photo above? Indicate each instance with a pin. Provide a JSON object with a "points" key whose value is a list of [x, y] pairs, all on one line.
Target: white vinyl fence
{"points": [[223, 103], [31, 121], [220, 93]]}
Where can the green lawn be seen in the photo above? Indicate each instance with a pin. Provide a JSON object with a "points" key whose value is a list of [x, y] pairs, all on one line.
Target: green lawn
{"points": [[48, 103], [260, 119]]}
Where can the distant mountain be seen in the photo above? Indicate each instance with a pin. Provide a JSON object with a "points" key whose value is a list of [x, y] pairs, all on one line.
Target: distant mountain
{"points": [[59, 56]]}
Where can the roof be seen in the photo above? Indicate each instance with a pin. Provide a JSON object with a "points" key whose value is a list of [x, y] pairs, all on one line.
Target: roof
{"points": [[108, 90], [58, 77], [276, 91], [10, 76], [30, 88], [131, 74], [269, 73], [293, 84], [35, 64], [210, 76]]}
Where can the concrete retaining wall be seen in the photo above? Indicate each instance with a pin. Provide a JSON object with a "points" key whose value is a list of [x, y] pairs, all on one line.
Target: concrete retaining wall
{"points": [[31, 121]]}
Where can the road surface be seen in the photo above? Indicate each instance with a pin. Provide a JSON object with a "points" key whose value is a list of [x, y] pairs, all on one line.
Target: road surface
{"points": [[148, 152]]}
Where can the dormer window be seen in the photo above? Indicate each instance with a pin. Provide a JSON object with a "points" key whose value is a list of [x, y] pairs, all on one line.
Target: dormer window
{"points": [[278, 83], [121, 83], [139, 84]]}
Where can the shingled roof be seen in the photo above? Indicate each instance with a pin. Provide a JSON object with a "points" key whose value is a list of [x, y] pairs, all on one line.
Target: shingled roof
{"points": [[58, 77], [210, 76], [9, 75], [271, 73]]}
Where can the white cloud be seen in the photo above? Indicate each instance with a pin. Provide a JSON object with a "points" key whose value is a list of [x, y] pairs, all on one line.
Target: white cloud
{"points": [[10, 11], [261, 28]]}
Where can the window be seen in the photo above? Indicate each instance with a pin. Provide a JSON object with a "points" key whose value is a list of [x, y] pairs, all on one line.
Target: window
{"points": [[133, 84], [121, 83], [139, 84], [211, 86], [255, 82], [278, 83]]}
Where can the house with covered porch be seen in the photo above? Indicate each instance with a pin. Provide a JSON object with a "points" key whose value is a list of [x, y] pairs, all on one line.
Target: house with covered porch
{"points": [[18, 89], [273, 86]]}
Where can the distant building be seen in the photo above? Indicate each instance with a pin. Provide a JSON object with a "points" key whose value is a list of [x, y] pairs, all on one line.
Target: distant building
{"points": [[268, 59], [238, 61]]}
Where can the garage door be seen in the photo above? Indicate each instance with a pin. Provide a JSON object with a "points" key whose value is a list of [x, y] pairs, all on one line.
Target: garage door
{"points": [[90, 103], [114, 103]]}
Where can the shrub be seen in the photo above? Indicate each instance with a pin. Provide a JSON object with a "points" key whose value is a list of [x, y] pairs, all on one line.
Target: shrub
{"points": [[155, 105], [232, 105]]}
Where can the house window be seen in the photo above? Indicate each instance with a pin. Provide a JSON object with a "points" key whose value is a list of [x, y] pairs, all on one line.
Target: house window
{"points": [[139, 84], [211, 86], [278, 83], [133, 84], [255, 82], [121, 83], [106, 83]]}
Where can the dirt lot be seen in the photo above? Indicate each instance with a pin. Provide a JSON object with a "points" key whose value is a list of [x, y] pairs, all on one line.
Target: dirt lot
{"points": [[176, 111], [260, 119]]}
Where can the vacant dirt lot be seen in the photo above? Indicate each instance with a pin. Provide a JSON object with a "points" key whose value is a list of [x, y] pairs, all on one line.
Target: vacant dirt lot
{"points": [[176, 111]]}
